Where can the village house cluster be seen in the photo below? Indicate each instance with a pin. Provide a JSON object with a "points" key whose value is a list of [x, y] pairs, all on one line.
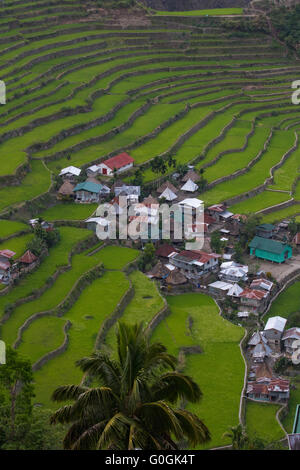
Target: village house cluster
{"points": [[223, 277], [264, 349], [240, 287], [11, 268]]}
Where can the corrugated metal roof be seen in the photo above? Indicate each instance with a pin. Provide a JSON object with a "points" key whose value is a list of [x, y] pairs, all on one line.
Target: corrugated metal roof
{"points": [[265, 244], [88, 186], [276, 323]]}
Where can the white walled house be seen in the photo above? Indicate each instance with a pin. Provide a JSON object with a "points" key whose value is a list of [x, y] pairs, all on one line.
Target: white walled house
{"points": [[70, 172], [274, 329], [120, 163], [290, 340]]}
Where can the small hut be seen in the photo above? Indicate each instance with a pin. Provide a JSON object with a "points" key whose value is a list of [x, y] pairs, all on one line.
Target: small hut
{"points": [[167, 185], [190, 175], [150, 201], [159, 271], [66, 190], [28, 261], [176, 278], [168, 195]]}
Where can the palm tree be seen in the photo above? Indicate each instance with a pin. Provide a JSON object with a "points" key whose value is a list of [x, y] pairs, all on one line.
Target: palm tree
{"points": [[237, 435], [132, 407]]}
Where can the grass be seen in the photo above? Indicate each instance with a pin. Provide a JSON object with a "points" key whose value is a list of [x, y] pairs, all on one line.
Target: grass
{"points": [[58, 256], [259, 202], [10, 227], [257, 175], [117, 257], [210, 12], [145, 304], [218, 367], [294, 400], [53, 296], [69, 211], [261, 421], [94, 305], [286, 303], [281, 214], [35, 183], [17, 244]]}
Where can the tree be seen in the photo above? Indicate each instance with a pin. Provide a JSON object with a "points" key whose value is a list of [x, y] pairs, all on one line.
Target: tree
{"points": [[248, 230], [138, 177], [171, 161], [242, 441], [237, 435], [215, 242], [135, 404], [43, 239], [293, 227], [147, 258], [158, 165], [238, 253], [202, 183], [293, 320], [36, 245], [181, 169], [16, 388]]}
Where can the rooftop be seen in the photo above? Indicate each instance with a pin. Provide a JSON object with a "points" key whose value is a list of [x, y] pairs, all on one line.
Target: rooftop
{"points": [[119, 161], [7, 253], [88, 186], [73, 170], [265, 244], [191, 202], [28, 257], [276, 323]]}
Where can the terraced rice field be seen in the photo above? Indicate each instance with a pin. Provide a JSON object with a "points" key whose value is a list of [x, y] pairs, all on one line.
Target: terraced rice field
{"points": [[82, 87], [261, 421], [195, 321]]}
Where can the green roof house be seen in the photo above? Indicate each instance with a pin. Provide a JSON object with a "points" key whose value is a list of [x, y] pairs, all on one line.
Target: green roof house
{"points": [[87, 192], [265, 230], [296, 428], [294, 438], [270, 250]]}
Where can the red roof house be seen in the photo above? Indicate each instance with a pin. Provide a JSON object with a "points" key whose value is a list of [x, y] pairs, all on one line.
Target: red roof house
{"points": [[28, 258], [165, 250], [7, 254], [254, 299], [121, 162]]}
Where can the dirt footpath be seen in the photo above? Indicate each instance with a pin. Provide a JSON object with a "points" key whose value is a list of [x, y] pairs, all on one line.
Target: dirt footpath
{"points": [[280, 271]]}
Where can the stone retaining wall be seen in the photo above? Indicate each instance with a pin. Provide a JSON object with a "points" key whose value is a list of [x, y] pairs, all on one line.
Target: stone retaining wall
{"points": [[56, 352]]}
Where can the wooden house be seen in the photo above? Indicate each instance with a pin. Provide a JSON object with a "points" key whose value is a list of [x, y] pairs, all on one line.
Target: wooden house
{"points": [[265, 230]]}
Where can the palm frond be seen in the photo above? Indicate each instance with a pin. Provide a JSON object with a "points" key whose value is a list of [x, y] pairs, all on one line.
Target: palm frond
{"points": [[193, 428], [65, 414], [102, 367], [174, 385], [159, 417], [115, 432], [88, 439], [68, 392], [100, 400]]}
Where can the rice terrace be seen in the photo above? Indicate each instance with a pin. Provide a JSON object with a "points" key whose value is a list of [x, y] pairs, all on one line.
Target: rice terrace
{"points": [[155, 103]]}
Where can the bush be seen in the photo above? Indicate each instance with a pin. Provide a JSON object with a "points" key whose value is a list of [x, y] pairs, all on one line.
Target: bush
{"points": [[282, 364]]}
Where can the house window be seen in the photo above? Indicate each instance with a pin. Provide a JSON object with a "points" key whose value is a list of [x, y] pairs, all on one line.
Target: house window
{"points": [[104, 171]]}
